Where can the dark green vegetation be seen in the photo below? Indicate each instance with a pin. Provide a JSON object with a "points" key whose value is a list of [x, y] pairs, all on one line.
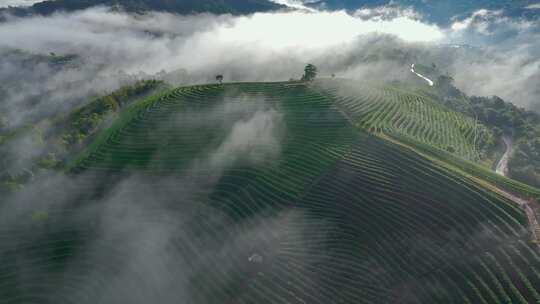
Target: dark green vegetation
{"points": [[50, 142], [521, 125], [85, 120], [140, 6], [503, 119], [324, 213]]}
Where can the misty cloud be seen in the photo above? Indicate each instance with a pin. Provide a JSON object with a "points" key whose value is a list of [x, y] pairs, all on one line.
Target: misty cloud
{"points": [[507, 61], [252, 131], [99, 32], [254, 140], [145, 238], [6, 3], [142, 240], [296, 4], [377, 43], [20, 152], [387, 12], [533, 6], [114, 49]]}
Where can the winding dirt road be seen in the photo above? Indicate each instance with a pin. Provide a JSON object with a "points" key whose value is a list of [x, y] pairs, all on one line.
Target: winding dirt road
{"points": [[429, 81], [502, 166], [534, 227], [502, 169]]}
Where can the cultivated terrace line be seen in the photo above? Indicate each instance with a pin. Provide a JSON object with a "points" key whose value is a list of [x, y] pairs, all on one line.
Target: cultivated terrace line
{"points": [[502, 169], [525, 205]]}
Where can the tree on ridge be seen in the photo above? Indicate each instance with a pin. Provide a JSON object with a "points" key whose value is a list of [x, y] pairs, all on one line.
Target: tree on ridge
{"points": [[310, 72]]}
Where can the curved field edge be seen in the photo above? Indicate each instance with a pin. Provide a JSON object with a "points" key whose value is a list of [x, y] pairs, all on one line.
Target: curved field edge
{"points": [[450, 159], [470, 168], [125, 117], [136, 109], [465, 175]]}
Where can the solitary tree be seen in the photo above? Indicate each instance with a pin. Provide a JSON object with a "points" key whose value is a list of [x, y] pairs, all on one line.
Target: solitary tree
{"points": [[310, 72], [219, 78]]}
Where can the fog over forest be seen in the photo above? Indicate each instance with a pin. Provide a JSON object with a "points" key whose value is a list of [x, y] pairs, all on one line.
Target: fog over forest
{"points": [[114, 48]]}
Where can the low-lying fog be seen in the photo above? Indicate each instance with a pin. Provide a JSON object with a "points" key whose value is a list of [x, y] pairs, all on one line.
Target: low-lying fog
{"points": [[116, 48]]}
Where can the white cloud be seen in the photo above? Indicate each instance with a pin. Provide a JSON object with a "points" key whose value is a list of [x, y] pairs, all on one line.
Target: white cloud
{"points": [[319, 30], [6, 3], [259, 47], [509, 62], [387, 13], [479, 20], [533, 6], [512, 76], [297, 4], [196, 42], [489, 22]]}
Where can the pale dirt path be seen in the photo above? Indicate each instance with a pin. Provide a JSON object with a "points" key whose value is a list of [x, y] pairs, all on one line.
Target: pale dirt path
{"points": [[502, 166], [502, 169], [429, 81], [534, 228]]}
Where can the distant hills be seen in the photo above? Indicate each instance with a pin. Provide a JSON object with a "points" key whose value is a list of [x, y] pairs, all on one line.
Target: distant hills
{"points": [[439, 11], [236, 7]]}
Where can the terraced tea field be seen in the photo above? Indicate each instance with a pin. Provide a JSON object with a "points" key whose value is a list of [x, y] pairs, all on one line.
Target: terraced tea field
{"points": [[396, 110], [324, 213]]}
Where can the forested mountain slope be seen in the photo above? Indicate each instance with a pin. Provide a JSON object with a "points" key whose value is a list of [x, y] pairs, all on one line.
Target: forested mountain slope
{"points": [[176, 7]]}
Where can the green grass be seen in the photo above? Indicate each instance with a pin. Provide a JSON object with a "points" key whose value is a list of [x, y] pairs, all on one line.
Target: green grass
{"points": [[341, 216]]}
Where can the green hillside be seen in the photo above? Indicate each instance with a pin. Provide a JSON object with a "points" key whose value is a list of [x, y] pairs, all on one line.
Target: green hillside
{"points": [[396, 109], [342, 214]]}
